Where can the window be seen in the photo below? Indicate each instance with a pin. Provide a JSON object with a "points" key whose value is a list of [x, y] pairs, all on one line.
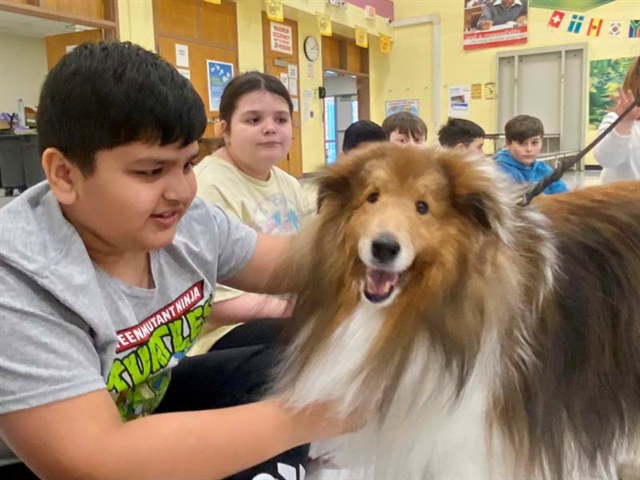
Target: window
{"points": [[330, 141]]}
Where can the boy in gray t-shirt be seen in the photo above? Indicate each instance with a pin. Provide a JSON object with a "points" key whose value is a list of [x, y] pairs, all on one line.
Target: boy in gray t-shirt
{"points": [[107, 272]]}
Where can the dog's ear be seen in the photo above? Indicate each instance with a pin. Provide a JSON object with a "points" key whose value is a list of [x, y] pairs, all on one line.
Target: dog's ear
{"points": [[476, 191], [477, 206], [333, 185], [335, 181]]}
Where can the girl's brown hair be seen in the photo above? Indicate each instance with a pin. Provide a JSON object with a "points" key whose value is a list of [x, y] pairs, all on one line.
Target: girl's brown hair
{"points": [[632, 80]]}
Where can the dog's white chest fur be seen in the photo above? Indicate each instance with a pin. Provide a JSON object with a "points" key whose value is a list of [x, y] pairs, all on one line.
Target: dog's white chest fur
{"points": [[331, 371], [426, 434]]}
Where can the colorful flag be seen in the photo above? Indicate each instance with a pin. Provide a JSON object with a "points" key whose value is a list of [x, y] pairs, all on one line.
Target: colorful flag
{"points": [[556, 19], [362, 38], [594, 27], [576, 23], [634, 28], [274, 10], [324, 25], [385, 43], [615, 28]]}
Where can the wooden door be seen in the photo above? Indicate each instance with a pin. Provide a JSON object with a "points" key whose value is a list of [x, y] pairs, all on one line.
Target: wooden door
{"points": [[208, 32], [199, 54], [277, 63], [58, 45]]}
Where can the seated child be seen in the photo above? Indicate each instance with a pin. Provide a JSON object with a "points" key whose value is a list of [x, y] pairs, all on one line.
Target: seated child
{"points": [[242, 178], [518, 160], [362, 131], [405, 128], [107, 274], [463, 135]]}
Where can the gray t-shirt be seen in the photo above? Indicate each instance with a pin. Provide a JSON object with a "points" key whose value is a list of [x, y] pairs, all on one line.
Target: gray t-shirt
{"points": [[68, 328]]}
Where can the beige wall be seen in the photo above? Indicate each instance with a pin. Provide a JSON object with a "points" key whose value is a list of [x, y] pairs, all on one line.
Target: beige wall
{"points": [[250, 50], [135, 19], [24, 66]]}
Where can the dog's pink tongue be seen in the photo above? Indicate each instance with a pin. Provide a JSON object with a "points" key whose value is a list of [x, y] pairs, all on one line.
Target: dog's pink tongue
{"points": [[379, 282]]}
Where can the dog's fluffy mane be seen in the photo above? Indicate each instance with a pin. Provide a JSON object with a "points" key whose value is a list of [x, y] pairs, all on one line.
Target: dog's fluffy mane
{"points": [[555, 285]]}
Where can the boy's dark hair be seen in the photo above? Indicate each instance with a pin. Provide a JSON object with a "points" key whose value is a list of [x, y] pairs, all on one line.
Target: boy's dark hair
{"points": [[459, 130], [103, 95], [405, 123], [248, 83], [523, 127], [360, 132]]}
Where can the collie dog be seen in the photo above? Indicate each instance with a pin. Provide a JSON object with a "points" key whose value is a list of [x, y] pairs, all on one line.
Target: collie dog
{"points": [[479, 339]]}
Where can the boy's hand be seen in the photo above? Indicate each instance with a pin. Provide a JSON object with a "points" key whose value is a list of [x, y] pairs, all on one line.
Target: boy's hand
{"points": [[321, 422]]}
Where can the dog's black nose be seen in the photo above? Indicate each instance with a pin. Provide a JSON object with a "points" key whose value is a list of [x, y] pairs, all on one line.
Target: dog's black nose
{"points": [[385, 248]]}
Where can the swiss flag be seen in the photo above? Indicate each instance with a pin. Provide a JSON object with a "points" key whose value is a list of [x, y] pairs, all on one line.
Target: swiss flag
{"points": [[556, 19]]}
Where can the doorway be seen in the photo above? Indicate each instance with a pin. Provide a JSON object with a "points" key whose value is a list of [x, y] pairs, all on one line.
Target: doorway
{"points": [[548, 83], [340, 110], [346, 84]]}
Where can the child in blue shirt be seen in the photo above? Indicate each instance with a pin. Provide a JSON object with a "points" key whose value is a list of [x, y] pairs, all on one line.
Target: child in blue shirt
{"points": [[518, 160]]}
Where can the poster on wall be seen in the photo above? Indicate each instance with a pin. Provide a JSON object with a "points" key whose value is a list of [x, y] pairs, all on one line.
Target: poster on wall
{"points": [[476, 91], [182, 55], [490, 91], [281, 38], [218, 75], [605, 77], [284, 78], [397, 106], [494, 23], [459, 96]]}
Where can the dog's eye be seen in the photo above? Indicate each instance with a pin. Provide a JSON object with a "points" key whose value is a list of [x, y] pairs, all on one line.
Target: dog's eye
{"points": [[373, 197], [422, 207]]}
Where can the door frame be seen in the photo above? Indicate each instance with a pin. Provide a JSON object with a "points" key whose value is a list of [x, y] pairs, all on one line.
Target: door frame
{"points": [[343, 67], [273, 63], [562, 49]]}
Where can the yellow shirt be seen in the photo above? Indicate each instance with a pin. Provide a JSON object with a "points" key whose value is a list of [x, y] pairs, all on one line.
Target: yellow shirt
{"points": [[276, 206]]}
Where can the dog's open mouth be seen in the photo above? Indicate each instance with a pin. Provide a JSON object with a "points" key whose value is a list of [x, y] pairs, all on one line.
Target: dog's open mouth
{"points": [[380, 284]]}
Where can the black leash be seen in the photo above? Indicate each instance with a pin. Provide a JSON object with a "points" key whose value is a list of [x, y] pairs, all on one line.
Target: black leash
{"points": [[567, 163]]}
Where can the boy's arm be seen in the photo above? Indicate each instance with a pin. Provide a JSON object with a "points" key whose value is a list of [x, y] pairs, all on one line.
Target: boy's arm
{"points": [[249, 306], [269, 252], [84, 437], [557, 187], [234, 305], [545, 170]]}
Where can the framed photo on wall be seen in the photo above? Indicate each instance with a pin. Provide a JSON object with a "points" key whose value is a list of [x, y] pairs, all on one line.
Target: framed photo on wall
{"points": [[494, 23], [218, 75]]}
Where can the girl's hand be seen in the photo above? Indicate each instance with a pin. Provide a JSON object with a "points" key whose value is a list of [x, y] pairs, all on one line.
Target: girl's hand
{"points": [[622, 103]]}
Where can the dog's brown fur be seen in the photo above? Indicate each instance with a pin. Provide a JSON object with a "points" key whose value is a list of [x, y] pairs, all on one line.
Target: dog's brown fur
{"points": [[559, 281]]}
